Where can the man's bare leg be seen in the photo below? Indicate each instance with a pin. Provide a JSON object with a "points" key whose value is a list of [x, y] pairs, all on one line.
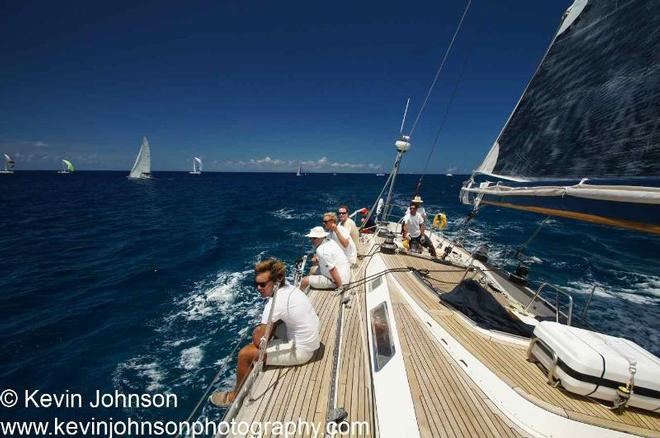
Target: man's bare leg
{"points": [[246, 357]]}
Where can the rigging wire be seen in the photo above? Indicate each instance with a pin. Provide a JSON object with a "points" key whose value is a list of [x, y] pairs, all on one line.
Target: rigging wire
{"points": [[444, 118], [442, 64]]}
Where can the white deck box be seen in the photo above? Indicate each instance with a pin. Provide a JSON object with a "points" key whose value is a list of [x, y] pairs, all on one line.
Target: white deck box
{"points": [[594, 364]]}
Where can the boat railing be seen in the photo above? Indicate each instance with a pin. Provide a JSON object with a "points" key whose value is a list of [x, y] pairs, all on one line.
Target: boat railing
{"points": [[568, 315]]}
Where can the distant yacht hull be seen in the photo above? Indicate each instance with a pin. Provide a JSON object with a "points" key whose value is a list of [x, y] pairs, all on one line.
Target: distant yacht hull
{"points": [[143, 176], [194, 173], [6, 171]]}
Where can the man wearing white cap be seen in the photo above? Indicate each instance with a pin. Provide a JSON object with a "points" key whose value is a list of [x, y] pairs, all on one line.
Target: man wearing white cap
{"points": [[334, 269]]}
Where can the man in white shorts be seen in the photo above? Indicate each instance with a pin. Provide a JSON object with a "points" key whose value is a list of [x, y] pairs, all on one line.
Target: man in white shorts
{"points": [[295, 332], [333, 269], [340, 235]]}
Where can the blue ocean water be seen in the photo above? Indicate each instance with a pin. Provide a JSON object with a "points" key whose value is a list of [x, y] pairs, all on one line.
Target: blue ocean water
{"points": [[146, 286]]}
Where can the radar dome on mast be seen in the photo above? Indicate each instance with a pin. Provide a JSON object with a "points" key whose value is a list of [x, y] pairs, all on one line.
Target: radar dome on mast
{"points": [[402, 144]]}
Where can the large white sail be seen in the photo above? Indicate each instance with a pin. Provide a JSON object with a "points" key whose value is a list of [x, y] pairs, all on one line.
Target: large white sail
{"points": [[142, 167], [197, 164]]}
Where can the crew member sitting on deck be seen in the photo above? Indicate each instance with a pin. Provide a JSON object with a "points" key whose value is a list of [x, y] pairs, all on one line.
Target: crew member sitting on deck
{"points": [[349, 224], [333, 269], [340, 235], [413, 229], [297, 324]]}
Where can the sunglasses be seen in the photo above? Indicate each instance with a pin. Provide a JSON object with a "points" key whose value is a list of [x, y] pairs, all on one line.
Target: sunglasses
{"points": [[325, 222], [342, 212], [261, 284]]}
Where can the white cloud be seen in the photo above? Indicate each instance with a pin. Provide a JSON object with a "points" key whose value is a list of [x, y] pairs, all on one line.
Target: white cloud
{"points": [[270, 163], [41, 144]]}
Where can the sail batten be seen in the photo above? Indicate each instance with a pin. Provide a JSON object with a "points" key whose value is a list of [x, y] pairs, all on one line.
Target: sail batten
{"points": [[591, 111]]}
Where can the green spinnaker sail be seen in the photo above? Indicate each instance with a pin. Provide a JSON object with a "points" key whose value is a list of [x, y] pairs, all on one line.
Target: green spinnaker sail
{"points": [[69, 165]]}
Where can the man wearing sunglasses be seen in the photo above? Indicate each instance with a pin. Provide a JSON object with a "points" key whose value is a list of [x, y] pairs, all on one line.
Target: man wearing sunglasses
{"points": [[295, 334], [349, 224], [340, 235], [333, 269]]}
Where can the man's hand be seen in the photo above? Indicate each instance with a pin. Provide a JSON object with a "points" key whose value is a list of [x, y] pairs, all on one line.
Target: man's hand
{"points": [[258, 333]]}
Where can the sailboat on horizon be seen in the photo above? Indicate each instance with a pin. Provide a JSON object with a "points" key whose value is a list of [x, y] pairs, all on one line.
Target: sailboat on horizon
{"points": [[197, 166], [9, 164], [142, 166], [67, 167], [299, 172]]}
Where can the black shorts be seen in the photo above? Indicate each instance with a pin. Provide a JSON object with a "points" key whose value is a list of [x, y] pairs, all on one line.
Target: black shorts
{"points": [[420, 240]]}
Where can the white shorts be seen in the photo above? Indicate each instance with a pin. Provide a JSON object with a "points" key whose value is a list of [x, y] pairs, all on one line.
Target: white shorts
{"points": [[285, 353], [321, 282]]}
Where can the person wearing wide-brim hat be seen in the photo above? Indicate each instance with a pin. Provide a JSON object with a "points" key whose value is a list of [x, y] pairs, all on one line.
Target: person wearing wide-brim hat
{"points": [[417, 200], [333, 269]]}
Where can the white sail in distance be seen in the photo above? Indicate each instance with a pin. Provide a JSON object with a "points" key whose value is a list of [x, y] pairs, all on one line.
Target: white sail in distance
{"points": [[142, 167], [197, 166], [9, 164]]}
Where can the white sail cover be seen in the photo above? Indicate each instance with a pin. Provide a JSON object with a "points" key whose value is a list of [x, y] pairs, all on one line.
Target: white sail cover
{"points": [[197, 164], [142, 166]]}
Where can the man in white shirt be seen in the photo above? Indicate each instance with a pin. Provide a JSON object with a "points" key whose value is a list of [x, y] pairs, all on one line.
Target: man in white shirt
{"points": [[349, 224], [340, 235], [292, 312], [417, 200], [413, 229], [333, 269]]}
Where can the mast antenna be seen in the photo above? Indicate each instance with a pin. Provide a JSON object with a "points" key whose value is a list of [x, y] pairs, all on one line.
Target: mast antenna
{"points": [[405, 113]]}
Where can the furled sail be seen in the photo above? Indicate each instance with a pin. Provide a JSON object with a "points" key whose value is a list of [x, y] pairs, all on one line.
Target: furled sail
{"points": [[142, 167], [584, 139]]}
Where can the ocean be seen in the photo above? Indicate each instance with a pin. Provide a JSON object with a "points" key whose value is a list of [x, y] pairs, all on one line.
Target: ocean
{"points": [[146, 286]]}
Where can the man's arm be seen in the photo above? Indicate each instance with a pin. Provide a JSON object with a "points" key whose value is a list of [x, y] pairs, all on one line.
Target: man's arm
{"points": [[334, 273], [260, 331], [343, 240]]}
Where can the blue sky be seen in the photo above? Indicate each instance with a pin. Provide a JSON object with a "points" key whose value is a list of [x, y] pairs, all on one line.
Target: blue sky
{"points": [[261, 85]]}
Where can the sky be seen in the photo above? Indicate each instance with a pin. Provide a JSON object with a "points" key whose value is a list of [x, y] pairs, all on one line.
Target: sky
{"points": [[263, 85]]}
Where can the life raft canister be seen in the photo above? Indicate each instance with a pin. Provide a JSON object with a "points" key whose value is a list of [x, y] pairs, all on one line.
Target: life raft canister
{"points": [[440, 221]]}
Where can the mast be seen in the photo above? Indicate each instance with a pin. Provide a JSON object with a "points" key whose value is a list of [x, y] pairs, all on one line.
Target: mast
{"points": [[402, 146]]}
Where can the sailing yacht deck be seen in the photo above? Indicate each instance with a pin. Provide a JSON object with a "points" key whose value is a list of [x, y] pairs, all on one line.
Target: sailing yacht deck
{"points": [[446, 399], [507, 360]]}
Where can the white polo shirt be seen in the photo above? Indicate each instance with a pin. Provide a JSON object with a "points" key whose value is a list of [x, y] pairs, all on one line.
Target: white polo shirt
{"points": [[350, 250], [294, 309], [330, 255]]}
